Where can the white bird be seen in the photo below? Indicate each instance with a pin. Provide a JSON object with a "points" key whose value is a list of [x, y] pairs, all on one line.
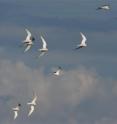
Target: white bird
{"points": [[44, 48], [16, 110], [28, 41], [83, 42], [58, 71], [32, 105], [104, 7]]}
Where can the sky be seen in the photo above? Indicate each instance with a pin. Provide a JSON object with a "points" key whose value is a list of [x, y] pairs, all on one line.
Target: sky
{"points": [[86, 92]]}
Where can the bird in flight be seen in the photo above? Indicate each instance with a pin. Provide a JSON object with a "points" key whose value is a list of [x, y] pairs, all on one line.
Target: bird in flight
{"points": [[104, 7], [32, 105], [58, 71], [28, 42], [83, 41], [16, 110], [44, 48]]}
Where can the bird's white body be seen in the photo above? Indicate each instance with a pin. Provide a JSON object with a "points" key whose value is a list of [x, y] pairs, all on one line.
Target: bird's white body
{"points": [[28, 41], [83, 42], [44, 48], [32, 105], [58, 71], [104, 7]]}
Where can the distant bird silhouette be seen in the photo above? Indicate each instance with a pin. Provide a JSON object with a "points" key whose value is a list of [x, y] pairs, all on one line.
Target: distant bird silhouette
{"points": [[104, 7], [57, 72]]}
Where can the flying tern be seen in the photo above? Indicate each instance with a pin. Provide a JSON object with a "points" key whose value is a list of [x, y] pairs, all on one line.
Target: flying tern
{"points": [[104, 7], [58, 71], [83, 42], [28, 42], [32, 105], [44, 48], [16, 110]]}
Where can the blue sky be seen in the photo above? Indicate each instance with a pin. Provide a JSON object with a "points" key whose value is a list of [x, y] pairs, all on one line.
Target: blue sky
{"points": [[87, 91]]}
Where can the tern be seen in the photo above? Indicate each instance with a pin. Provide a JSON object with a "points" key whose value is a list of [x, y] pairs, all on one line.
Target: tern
{"points": [[28, 42], [58, 71], [16, 110], [104, 7], [32, 105], [83, 42], [44, 48]]}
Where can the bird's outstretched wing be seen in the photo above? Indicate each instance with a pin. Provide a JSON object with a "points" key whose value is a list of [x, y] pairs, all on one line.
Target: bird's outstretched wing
{"points": [[44, 42], [59, 67], [41, 54], [35, 99], [31, 110], [83, 38], [28, 32], [29, 35], [15, 114], [27, 48]]}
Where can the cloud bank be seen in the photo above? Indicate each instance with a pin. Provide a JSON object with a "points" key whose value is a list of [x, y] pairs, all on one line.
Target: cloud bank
{"points": [[66, 98]]}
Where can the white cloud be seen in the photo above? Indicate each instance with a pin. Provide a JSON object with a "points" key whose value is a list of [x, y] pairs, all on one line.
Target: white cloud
{"points": [[18, 82], [74, 87]]}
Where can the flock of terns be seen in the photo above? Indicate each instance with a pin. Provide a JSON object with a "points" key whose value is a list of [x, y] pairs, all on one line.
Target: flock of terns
{"points": [[28, 42]]}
